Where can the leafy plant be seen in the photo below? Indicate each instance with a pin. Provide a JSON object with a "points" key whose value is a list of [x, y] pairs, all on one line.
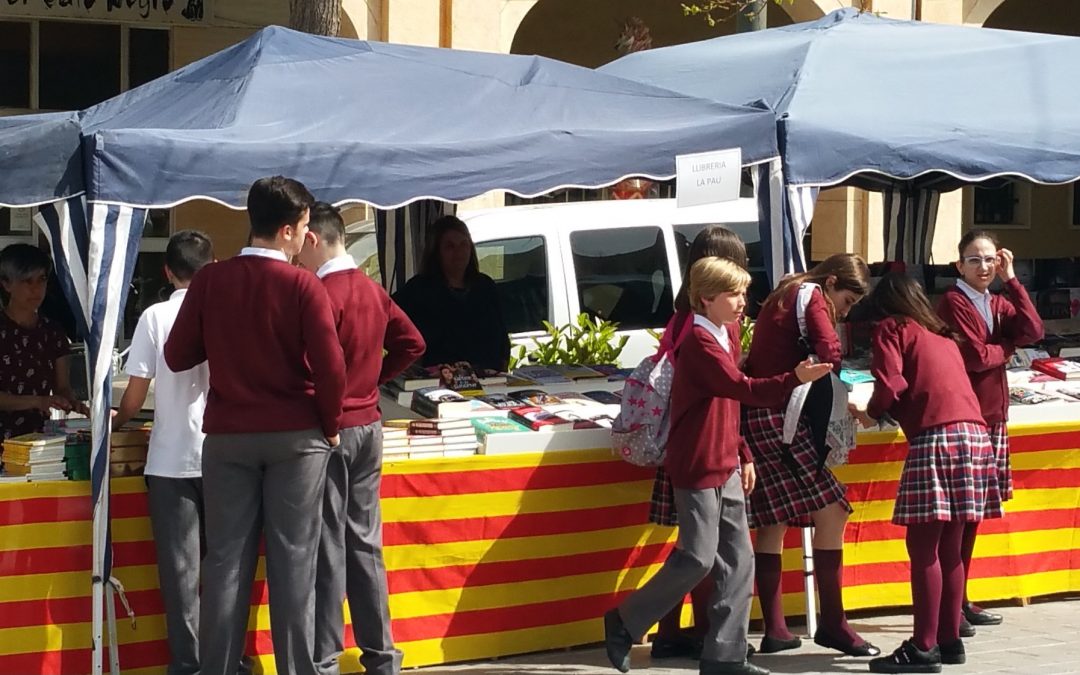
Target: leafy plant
{"points": [[746, 334], [586, 341], [718, 11]]}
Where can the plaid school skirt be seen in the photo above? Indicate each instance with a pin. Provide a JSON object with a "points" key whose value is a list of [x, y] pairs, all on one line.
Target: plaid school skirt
{"points": [[999, 439], [950, 474], [662, 505], [789, 485]]}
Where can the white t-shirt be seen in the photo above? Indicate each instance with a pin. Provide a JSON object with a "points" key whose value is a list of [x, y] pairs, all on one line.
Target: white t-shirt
{"points": [[179, 398]]}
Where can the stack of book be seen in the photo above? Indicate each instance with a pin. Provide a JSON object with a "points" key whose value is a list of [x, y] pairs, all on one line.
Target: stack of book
{"points": [[35, 457], [419, 439], [441, 402], [1060, 368]]}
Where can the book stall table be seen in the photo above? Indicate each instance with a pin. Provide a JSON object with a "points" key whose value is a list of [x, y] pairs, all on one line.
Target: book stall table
{"points": [[504, 554]]}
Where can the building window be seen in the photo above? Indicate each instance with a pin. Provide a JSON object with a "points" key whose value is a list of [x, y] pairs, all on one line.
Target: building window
{"points": [[519, 268], [1001, 205], [623, 276], [1075, 204], [148, 55], [79, 64], [14, 64]]}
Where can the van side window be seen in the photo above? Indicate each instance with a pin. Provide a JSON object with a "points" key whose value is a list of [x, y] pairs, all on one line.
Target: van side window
{"points": [[623, 276], [748, 232], [519, 268]]}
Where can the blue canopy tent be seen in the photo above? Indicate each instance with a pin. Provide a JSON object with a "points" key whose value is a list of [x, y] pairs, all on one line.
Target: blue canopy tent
{"points": [[909, 108], [376, 123]]}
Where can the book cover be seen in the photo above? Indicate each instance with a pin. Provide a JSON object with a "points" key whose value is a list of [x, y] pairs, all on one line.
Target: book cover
{"points": [[497, 425], [444, 433], [537, 418], [540, 374], [536, 397], [577, 372], [1063, 369], [604, 397], [1028, 396], [416, 377], [438, 425], [500, 401], [613, 372]]}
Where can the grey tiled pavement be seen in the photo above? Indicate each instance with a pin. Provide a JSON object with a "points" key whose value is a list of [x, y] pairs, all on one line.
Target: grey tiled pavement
{"points": [[1040, 639]]}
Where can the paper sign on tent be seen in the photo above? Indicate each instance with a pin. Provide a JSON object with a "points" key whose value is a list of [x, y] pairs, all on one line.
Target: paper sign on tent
{"points": [[708, 177]]}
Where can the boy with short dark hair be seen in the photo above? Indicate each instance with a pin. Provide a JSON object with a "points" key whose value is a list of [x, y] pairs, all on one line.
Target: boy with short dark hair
{"points": [[350, 551], [174, 462], [277, 377]]}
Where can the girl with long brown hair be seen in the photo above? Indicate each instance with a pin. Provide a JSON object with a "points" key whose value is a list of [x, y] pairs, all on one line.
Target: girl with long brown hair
{"points": [[794, 488], [949, 475]]}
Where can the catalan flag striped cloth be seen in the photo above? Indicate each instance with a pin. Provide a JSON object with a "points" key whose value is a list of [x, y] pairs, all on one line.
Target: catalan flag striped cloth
{"points": [[489, 556]]}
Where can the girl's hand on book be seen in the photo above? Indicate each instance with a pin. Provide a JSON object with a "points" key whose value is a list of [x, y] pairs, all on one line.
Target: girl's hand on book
{"points": [[808, 371]]}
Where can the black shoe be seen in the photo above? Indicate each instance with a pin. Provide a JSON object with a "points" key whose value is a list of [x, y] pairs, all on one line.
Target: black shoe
{"points": [[977, 616], [675, 648], [731, 668], [966, 629], [908, 659], [617, 641], [864, 648], [771, 645], [953, 654]]}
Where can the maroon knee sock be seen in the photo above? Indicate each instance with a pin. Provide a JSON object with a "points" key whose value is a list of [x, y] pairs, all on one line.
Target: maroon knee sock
{"points": [[922, 546], [967, 549], [952, 582], [767, 572], [699, 599], [829, 572]]}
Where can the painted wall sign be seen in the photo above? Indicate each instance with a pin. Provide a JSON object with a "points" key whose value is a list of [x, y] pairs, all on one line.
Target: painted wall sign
{"points": [[149, 11]]}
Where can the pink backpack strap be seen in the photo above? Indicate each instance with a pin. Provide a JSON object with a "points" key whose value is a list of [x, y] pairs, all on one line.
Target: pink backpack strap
{"points": [[675, 332]]}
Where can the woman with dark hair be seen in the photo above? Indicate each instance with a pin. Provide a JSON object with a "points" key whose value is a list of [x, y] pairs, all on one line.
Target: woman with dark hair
{"points": [[794, 487], [34, 375], [670, 641], [455, 305], [950, 474]]}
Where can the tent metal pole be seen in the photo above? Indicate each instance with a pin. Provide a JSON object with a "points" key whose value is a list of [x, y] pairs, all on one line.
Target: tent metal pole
{"points": [[114, 647], [808, 579]]}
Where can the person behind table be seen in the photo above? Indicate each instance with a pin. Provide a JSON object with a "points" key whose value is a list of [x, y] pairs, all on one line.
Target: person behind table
{"points": [[350, 549], [455, 305], [34, 363], [991, 327], [793, 490], [949, 475], [174, 461], [704, 452], [670, 641], [277, 376]]}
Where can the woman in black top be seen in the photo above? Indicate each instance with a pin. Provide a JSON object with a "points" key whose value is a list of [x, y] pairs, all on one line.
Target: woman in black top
{"points": [[455, 306]]}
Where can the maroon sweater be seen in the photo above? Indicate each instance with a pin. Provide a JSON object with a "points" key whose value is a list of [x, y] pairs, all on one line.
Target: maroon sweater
{"points": [[704, 444], [1016, 323], [368, 321], [775, 348], [920, 378], [267, 330]]}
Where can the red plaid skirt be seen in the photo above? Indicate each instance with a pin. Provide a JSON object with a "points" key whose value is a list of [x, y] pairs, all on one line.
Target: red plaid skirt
{"points": [[789, 486], [662, 505], [999, 438], [950, 474]]}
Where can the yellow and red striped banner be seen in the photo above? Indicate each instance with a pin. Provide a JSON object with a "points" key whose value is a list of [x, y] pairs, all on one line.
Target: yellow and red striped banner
{"points": [[489, 556]]}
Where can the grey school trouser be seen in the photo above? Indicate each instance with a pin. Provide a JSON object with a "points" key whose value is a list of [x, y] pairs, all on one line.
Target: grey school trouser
{"points": [[270, 484], [176, 516], [351, 559], [713, 537]]}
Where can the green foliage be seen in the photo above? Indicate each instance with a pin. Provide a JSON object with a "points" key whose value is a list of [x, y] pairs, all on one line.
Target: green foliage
{"points": [[746, 334], [717, 11], [586, 341]]}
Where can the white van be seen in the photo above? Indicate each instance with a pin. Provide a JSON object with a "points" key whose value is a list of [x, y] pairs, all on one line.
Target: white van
{"points": [[617, 260]]}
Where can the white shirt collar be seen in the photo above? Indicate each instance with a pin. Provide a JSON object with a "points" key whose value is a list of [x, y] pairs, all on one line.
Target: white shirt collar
{"points": [[338, 264], [178, 294], [981, 302], [720, 334], [264, 253]]}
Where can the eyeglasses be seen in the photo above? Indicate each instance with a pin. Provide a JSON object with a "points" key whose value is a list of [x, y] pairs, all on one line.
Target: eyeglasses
{"points": [[976, 260]]}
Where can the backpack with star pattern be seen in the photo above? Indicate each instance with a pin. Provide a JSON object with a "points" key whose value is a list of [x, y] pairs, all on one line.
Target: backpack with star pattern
{"points": [[639, 433]]}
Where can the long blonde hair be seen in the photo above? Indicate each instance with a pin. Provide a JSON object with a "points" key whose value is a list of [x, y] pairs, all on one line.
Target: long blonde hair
{"points": [[849, 270]]}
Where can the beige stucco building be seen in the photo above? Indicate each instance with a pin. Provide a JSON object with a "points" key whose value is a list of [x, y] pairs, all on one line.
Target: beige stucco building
{"points": [[62, 53]]}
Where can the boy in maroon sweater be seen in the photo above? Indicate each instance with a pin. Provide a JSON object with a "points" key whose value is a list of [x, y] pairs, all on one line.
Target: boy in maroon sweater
{"points": [[991, 327], [704, 453], [350, 551], [277, 377]]}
